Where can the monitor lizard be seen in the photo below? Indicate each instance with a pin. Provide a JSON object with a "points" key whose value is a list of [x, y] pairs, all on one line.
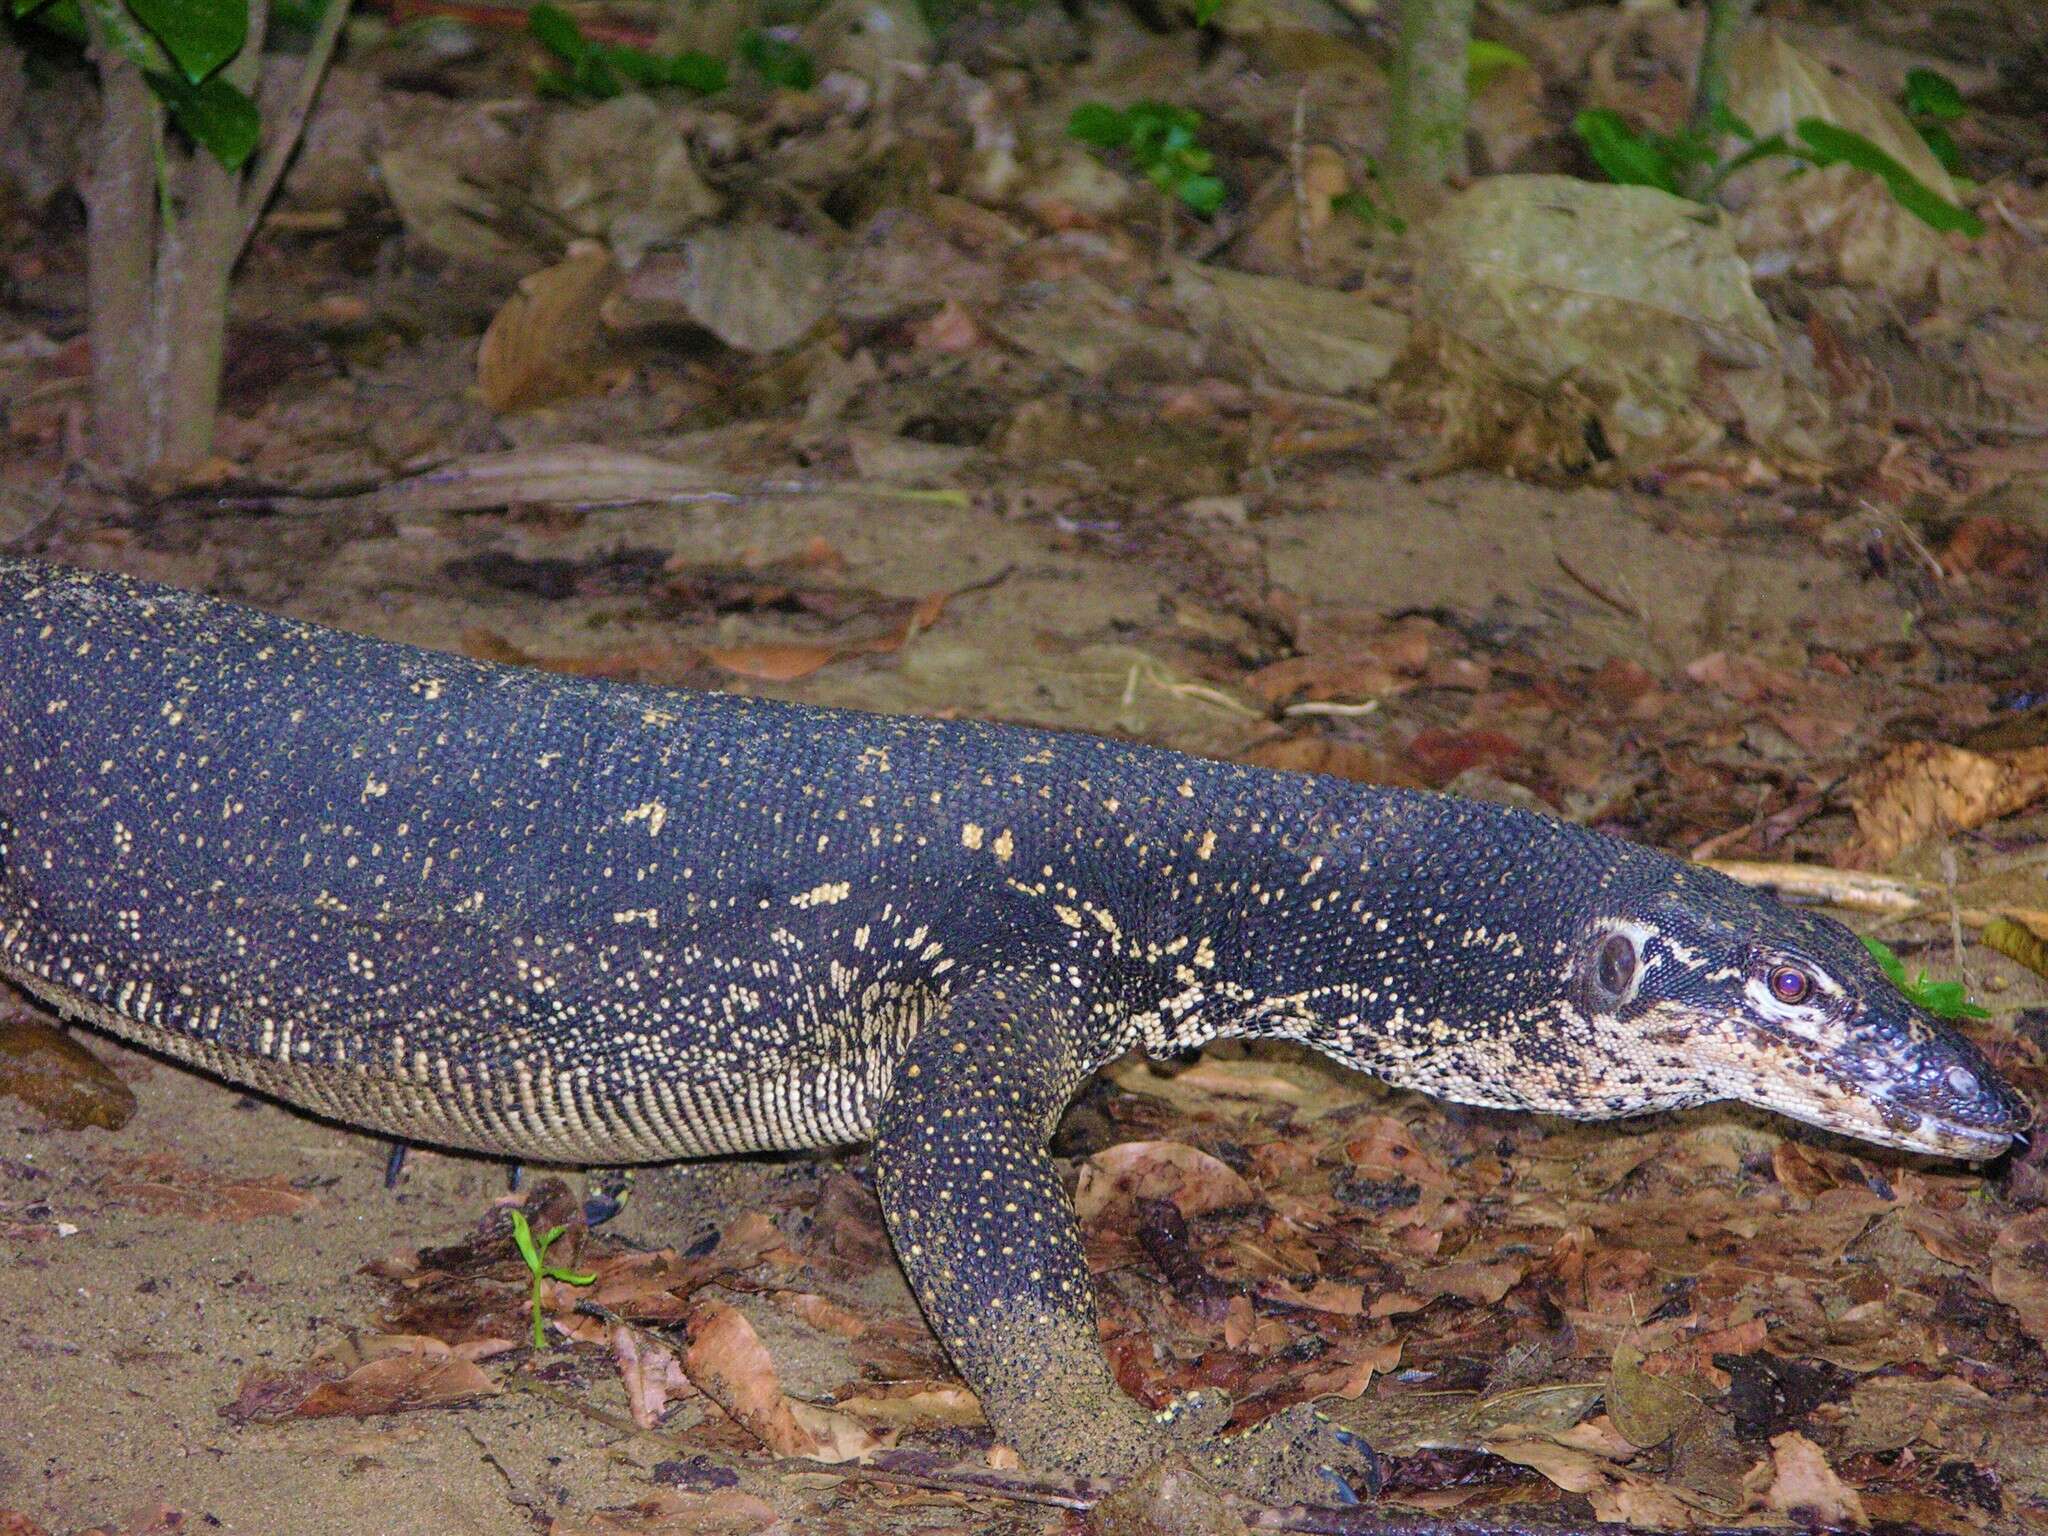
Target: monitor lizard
{"points": [[572, 920]]}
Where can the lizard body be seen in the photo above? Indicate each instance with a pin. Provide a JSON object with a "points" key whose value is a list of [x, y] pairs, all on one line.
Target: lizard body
{"points": [[564, 919]]}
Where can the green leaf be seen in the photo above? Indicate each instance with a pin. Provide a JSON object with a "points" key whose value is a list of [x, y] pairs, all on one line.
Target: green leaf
{"points": [[1204, 194], [556, 30], [1832, 144], [1930, 94], [1207, 11], [777, 61], [1099, 124], [199, 35], [1725, 121], [214, 115], [60, 17], [1628, 157], [1942, 145], [1486, 61], [698, 72], [1943, 999], [522, 1236]]}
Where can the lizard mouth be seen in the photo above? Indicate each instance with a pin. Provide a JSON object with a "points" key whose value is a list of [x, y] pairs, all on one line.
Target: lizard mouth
{"points": [[1954, 1105], [1923, 1088]]}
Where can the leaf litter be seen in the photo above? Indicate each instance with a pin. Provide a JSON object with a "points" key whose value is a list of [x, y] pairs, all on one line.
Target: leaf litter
{"points": [[901, 313]]}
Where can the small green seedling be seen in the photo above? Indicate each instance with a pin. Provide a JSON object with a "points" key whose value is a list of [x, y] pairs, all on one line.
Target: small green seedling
{"points": [[599, 71], [536, 1256], [1943, 999], [1640, 157], [778, 61], [1932, 102], [1163, 141]]}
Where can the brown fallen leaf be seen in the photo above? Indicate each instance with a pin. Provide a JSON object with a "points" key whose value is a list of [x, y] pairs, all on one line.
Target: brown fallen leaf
{"points": [[162, 1185], [2017, 943], [1344, 1298], [822, 1313], [58, 1078], [359, 1377], [729, 1364], [1926, 789], [542, 345], [772, 663], [2018, 1277], [1350, 678], [923, 1403], [652, 1375], [1158, 1170], [1802, 1486], [786, 661], [1646, 1409]]}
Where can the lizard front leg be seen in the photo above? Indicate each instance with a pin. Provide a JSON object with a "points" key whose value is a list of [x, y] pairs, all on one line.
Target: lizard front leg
{"points": [[988, 1238]]}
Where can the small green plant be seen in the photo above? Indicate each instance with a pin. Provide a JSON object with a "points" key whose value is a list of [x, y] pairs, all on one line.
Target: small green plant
{"points": [[1932, 102], [1486, 61], [599, 71], [1641, 157], [778, 61], [181, 47], [536, 1256], [1943, 999], [1162, 141]]}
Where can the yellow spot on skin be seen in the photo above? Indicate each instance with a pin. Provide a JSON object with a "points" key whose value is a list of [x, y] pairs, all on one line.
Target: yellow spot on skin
{"points": [[1208, 845], [1004, 846], [970, 836], [823, 895], [653, 812]]}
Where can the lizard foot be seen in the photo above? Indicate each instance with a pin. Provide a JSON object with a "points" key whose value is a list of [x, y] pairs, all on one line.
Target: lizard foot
{"points": [[1298, 1456]]}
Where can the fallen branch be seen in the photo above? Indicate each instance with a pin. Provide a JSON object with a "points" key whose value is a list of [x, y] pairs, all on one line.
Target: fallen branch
{"points": [[1856, 890]]}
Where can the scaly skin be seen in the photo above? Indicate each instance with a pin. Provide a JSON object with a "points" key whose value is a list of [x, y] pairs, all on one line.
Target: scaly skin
{"points": [[570, 920]]}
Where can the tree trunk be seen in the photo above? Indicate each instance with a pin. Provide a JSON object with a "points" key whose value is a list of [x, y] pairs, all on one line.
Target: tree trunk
{"points": [[121, 249], [1426, 139], [197, 255]]}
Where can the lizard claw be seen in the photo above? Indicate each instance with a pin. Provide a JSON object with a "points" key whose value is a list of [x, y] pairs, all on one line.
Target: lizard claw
{"points": [[1296, 1457]]}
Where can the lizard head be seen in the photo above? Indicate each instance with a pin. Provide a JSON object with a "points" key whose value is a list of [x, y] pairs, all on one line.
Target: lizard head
{"points": [[1705, 990]]}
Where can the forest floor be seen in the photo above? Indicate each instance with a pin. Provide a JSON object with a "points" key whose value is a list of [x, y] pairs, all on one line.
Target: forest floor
{"points": [[1025, 460]]}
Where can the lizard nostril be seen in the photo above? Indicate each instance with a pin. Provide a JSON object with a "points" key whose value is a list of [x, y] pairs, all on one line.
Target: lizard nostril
{"points": [[1963, 1081]]}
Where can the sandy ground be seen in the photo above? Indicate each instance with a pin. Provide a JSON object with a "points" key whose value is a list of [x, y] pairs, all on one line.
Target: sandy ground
{"points": [[130, 1327]]}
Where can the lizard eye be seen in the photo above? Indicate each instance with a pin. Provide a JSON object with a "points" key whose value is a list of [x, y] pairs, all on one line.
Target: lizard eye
{"points": [[1615, 966], [1790, 985]]}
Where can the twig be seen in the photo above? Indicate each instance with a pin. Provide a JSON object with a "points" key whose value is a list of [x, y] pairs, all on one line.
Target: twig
{"points": [[1626, 609], [1912, 539], [277, 153], [1856, 890], [1297, 163]]}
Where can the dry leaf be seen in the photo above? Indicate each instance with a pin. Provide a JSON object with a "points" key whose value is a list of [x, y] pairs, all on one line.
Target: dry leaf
{"points": [[923, 1403], [392, 1373], [58, 1078], [1647, 1410], [1926, 789], [1158, 1170], [728, 1363], [823, 1314], [162, 1185], [773, 663], [652, 1375], [1804, 1487], [544, 343]]}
